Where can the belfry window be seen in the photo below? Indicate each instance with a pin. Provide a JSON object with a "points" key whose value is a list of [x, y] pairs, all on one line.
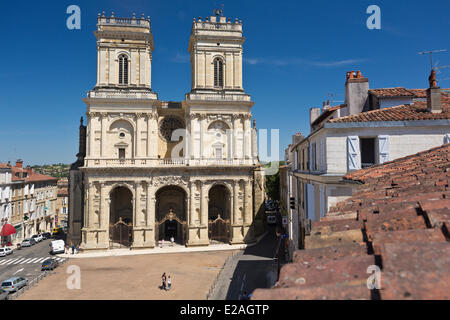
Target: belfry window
{"points": [[218, 73], [123, 69]]}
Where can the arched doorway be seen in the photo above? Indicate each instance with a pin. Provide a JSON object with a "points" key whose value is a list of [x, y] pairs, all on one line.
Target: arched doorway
{"points": [[219, 209], [121, 217], [171, 214]]}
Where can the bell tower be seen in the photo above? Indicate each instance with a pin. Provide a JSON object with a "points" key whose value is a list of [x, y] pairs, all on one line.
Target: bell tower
{"points": [[215, 46], [124, 52]]}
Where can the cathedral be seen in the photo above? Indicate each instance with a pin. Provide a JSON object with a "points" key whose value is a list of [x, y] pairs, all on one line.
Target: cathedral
{"points": [[150, 170]]}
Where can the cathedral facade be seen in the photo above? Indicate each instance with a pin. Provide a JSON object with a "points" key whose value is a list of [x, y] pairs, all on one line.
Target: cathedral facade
{"points": [[155, 170]]}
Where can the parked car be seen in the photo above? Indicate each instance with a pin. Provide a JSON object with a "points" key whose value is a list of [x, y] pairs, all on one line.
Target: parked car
{"points": [[57, 246], [28, 242], [37, 237], [13, 284], [46, 235], [3, 252], [49, 264]]}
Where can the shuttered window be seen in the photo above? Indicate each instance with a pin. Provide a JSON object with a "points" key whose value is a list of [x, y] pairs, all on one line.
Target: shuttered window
{"points": [[353, 153], [383, 148]]}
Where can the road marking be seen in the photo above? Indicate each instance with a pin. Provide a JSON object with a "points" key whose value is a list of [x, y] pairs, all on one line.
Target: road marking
{"points": [[18, 271], [26, 261], [41, 259], [33, 260], [3, 262], [19, 261], [11, 261]]}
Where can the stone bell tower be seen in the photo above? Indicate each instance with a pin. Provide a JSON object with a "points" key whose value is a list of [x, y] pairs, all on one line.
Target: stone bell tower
{"points": [[124, 52], [215, 46]]}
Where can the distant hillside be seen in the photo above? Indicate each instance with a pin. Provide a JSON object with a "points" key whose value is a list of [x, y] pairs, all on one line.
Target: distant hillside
{"points": [[59, 170]]}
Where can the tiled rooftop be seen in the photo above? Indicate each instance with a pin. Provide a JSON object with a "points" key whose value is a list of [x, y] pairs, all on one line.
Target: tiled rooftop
{"points": [[392, 92], [397, 219], [416, 111]]}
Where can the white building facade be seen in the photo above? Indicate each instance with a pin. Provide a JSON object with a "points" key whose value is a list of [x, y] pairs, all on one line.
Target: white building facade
{"points": [[156, 170]]}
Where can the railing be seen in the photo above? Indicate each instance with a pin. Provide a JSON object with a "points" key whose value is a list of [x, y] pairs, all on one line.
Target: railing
{"points": [[149, 162], [208, 25], [121, 95], [32, 283], [216, 96], [124, 21]]}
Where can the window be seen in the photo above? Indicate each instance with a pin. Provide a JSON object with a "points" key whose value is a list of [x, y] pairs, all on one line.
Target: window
{"points": [[314, 157], [123, 69], [367, 147], [218, 73], [219, 153], [121, 153]]}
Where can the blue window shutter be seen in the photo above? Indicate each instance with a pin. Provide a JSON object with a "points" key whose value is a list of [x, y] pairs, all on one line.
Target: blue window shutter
{"points": [[447, 138], [353, 158], [383, 148]]}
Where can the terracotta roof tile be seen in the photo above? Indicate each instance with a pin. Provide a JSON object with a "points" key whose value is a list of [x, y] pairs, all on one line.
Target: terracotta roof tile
{"points": [[392, 92], [416, 111], [403, 209]]}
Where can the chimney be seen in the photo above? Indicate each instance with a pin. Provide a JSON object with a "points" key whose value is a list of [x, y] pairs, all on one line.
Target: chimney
{"points": [[434, 104], [29, 171], [356, 92], [314, 113], [19, 163]]}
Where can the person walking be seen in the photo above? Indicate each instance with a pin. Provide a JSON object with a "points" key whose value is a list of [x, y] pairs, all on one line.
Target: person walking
{"points": [[73, 248], [162, 243], [172, 240], [163, 278], [169, 282]]}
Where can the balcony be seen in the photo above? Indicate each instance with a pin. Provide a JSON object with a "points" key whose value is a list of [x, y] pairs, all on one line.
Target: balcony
{"points": [[217, 97], [125, 94], [180, 162]]}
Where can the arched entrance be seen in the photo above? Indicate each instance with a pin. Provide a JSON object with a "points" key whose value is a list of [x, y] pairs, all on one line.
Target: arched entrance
{"points": [[171, 214], [219, 209], [121, 218]]}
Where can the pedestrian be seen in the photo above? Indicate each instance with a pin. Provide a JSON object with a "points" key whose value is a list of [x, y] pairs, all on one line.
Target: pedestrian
{"points": [[169, 282], [162, 243], [77, 249], [172, 240], [73, 248], [163, 278]]}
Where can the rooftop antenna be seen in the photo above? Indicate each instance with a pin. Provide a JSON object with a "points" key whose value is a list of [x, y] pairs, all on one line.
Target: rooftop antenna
{"points": [[430, 52]]}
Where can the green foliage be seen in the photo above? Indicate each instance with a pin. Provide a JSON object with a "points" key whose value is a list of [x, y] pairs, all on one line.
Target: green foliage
{"points": [[273, 182]]}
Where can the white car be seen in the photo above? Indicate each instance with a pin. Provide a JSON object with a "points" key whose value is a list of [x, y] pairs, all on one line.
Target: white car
{"points": [[5, 251], [37, 237]]}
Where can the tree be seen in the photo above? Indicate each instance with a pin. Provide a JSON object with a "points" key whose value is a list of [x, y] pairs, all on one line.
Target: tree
{"points": [[273, 183]]}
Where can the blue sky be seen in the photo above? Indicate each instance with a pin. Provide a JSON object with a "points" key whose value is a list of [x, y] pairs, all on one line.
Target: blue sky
{"points": [[295, 54]]}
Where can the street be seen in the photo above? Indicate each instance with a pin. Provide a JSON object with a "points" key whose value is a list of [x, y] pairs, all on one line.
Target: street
{"points": [[253, 268], [26, 262]]}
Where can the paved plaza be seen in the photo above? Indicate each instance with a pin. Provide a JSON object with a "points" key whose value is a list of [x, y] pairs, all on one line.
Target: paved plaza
{"points": [[135, 277]]}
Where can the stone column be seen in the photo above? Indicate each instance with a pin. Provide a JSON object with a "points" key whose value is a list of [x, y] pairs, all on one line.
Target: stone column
{"points": [[204, 205], [149, 134], [235, 135], [235, 202], [247, 137], [138, 136], [149, 240], [202, 135], [137, 205], [248, 204], [192, 212], [103, 137]]}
